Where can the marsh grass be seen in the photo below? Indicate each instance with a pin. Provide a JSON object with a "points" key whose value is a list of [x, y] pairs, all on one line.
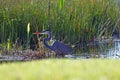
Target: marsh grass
{"points": [[73, 21]]}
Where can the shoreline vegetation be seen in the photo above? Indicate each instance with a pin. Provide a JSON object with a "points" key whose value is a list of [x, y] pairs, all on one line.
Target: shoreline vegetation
{"points": [[71, 21]]}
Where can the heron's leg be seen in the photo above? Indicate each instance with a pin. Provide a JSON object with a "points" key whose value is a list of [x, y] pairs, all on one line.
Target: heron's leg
{"points": [[60, 55], [56, 55], [63, 55]]}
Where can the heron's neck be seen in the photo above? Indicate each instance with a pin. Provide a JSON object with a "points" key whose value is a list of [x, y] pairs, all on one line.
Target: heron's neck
{"points": [[47, 39]]}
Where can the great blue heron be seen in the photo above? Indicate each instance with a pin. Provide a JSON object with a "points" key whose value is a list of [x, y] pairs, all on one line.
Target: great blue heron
{"points": [[59, 48]]}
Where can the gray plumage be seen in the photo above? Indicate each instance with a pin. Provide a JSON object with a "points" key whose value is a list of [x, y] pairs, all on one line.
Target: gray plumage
{"points": [[59, 48]]}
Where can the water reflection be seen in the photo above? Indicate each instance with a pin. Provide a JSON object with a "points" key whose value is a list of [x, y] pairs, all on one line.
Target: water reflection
{"points": [[103, 50], [115, 51]]}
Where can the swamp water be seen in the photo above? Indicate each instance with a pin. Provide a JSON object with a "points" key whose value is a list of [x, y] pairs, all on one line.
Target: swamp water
{"points": [[103, 50], [98, 49]]}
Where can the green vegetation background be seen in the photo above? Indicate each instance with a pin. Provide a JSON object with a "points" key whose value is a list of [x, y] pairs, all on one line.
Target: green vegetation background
{"points": [[73, 21]]}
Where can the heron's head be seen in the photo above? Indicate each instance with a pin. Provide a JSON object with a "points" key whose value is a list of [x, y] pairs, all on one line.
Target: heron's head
{"points": [[45, 32], [42, 32]]}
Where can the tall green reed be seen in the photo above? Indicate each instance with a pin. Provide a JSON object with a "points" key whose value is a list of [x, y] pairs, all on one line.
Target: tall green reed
{"points": [[73, 21]]}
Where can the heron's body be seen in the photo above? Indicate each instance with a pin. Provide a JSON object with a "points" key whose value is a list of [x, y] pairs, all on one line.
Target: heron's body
{"points": [[57, 47]]}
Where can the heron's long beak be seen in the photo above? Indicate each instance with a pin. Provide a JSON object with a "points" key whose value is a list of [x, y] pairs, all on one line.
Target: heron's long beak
{"points": [[36, 33]]}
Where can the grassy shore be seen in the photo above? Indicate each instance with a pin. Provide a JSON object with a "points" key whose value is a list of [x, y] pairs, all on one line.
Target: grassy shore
{"points": [[62, 69]]}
